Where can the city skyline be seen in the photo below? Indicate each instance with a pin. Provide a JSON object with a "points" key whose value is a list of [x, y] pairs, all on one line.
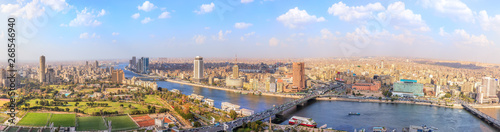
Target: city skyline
{"points": [[451, 30]]}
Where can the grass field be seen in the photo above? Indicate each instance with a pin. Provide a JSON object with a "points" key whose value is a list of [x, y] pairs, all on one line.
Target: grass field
{"points": [[112, 106], [122, 123], [153, 99], [64, 120], [91, 123], [34, 119]]}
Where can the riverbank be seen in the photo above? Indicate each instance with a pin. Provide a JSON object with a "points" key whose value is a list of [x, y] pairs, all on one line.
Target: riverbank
{"points": [[486, 106], [455, 106], [233, 90]]}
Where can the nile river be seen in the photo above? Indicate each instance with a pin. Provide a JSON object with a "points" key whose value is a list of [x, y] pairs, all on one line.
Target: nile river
{"points": [[335, 113]]}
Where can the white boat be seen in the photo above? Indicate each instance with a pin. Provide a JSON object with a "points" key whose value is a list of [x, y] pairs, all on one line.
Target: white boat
{"points": [[302, 120]]}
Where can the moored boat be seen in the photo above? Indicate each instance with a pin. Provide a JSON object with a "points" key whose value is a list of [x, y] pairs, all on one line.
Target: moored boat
{"points": [[303, 121]]}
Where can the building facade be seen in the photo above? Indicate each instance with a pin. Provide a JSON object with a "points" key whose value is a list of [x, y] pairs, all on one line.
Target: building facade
{"points": [[198, 68], [42, 69], [299, 80]]}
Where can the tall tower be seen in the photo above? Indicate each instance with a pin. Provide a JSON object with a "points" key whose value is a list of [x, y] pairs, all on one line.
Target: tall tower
{"points": [[96, 64], [299, 75], [198, 67], [236, 72], [145, 65], [42, 69], [382, 65], [134, 62]]}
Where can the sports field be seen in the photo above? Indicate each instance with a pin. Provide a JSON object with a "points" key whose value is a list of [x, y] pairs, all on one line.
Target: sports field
{"points": [[122, 123], [34, 119], [91, 123], [63, 120]]}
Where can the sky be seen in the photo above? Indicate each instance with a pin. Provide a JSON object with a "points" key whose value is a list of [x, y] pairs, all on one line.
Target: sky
{"points": [[65, 30]]}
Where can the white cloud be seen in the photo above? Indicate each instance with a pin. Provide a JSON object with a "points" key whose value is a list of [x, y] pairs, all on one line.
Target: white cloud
{"points": [[405, 18], [136, 15], [84, 35], [57, 5], [146, 20], [246, 1], [29, 10], [146, 6], [63, 25], [221, 35], [199, 39], [205, 8], [242, 38], [34, 8], [102, 13], [295, 17], [396, 15], [325, 33], [114, 41], [489, 22], [442, 32], [242, 25], [206, 28], [273, 42], [347, 13], [250, 34], [86, 18], [115, 33], [461, 38], [455, 9], [165, 14]]}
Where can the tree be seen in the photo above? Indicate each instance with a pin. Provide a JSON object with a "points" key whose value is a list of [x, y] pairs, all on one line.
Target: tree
{"points": [[121, 105], [197, 124], [233, 114], [129, 105]]}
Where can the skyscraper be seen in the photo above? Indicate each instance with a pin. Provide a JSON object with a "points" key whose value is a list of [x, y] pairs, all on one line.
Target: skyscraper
{"points": [[198, 68], [117, 76], [133, 62], [145, 65], [42, 69], [96, 64], [299, 76], [236, 72], [490, 86]]}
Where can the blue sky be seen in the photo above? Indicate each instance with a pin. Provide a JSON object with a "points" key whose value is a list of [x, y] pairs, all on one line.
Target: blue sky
{"points": [[113, 29]]}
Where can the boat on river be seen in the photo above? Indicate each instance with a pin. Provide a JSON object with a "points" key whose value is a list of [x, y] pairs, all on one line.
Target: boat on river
{"points": [[352, 113]]}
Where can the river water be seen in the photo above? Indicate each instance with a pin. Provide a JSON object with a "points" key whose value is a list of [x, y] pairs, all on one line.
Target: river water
{"points": [[335, 113]]}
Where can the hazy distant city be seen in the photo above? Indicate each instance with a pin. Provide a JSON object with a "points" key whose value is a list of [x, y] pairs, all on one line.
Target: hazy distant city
{"points": [[249, 66]]}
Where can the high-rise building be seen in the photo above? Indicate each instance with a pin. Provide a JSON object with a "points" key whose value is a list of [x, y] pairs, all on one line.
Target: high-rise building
{"points": [[96, 64], [236, 72], [299, 80], [42, 69], [198, 68], [145, 65], [134, 62], [490, 87], [117, 76]]}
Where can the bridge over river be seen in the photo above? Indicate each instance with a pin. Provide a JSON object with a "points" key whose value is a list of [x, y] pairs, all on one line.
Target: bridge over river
{"points": [[229, 126]]}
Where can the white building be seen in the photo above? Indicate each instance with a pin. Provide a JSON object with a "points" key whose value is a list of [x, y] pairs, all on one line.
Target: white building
{"points": [[198, 68]]}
